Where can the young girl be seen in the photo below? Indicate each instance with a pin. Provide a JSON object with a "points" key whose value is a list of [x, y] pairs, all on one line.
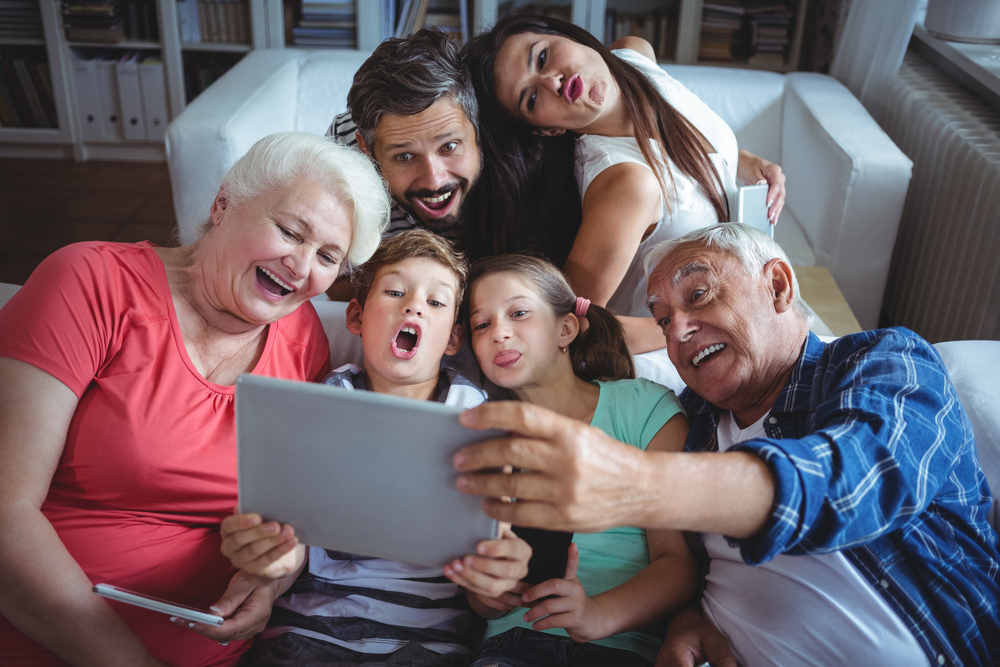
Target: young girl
{"points": [[525, 331], [652, 161]]}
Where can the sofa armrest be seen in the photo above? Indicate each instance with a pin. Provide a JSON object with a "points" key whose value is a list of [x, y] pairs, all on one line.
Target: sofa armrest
{"points": [[846, 185], [255, 98]]}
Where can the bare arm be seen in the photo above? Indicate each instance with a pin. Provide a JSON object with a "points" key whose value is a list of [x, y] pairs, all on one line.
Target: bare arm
{"points": [[43, 591], [752, 169], [584, 480], [659, 588]]}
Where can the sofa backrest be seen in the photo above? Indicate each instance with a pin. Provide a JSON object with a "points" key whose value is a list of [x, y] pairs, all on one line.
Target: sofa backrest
{"points": [[749, 101]]}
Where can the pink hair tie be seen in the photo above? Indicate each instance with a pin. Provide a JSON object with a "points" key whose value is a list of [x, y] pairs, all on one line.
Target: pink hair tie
{"points": [[581, 306]]}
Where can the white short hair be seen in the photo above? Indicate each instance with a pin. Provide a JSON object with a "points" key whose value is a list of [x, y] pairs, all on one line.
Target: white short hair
{"points": [[346, 173], [751, 246]]}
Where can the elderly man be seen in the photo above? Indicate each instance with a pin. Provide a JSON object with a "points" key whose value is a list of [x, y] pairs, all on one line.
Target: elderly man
{"points": [[844, 476]]}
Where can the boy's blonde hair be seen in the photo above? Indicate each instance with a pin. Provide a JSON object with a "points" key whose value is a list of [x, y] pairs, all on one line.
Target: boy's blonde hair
{"points": [[411, 244]]}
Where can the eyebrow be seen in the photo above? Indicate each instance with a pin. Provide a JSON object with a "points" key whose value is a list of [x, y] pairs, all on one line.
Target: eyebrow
{"points": [[531, 54], [688, 270], [438, 137], [507, 302]]}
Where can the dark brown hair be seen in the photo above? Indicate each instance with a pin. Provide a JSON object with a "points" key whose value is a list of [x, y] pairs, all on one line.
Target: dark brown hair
{"points": [[598, 354], [412, 244], [651, 116]]}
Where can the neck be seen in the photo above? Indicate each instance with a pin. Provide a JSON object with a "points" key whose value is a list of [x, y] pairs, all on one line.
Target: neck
{"points": [[565, 394], [421, 391], [771, 390], [615, 121]]}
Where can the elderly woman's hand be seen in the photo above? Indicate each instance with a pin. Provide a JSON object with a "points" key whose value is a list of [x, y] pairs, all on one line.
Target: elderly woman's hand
{"points": [[246, 606], [756, 170]]}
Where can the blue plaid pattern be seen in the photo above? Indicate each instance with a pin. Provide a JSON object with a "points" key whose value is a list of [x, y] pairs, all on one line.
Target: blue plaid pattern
{"points": [[873, 455]]}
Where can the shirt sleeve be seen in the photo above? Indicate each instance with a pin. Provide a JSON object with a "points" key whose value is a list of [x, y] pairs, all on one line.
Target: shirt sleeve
{"points": [[886, 433], [65, 320], [664, 406]]}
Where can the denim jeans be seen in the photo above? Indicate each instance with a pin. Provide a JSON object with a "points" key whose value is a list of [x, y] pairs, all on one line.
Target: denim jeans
{"points": [[296, 650], [520, 647]]}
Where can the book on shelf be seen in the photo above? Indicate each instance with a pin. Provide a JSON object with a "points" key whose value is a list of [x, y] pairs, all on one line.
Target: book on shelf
{"points": [[26, 98], [20, 19], [326, 24], [658, 27], [110, 21], [755, 31]]}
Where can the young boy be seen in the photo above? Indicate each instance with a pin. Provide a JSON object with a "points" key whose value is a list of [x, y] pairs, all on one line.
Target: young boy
{"points": [[350, 609]]}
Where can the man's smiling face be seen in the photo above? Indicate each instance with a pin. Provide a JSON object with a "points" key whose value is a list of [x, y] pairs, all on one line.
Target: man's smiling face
{"points": [[720, 325], [430, 160]]}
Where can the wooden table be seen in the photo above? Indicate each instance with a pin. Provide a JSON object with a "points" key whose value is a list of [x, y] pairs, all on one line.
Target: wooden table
{"points": [[820, 291]]}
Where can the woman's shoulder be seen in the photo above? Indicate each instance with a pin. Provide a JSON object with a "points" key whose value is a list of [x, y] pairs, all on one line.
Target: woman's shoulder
{"points": [[639, 390]]}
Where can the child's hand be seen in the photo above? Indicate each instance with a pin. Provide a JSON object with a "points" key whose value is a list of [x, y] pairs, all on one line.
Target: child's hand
{"points": [[569, 608], [495, 572], [264, 549]]}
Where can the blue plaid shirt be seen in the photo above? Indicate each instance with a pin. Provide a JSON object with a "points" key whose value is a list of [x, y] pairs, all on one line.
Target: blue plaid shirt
{"points": [[873, 455]]}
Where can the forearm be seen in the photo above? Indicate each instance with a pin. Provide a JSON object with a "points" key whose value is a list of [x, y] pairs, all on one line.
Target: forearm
{"points": [[642, 334], [658, 589], [46, 595], [727, 493]]}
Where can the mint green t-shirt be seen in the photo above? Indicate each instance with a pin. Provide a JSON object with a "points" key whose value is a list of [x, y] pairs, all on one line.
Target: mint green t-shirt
{"points": [[631, 411]]}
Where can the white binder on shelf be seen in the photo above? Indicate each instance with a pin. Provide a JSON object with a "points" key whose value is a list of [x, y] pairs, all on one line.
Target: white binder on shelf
{"points": [[154, 99], [107, 88], [88, 100], [130, 97]]}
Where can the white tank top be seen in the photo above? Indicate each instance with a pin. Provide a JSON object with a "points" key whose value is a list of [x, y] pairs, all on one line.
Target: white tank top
{"points": [[799, 611], [689, 208]]}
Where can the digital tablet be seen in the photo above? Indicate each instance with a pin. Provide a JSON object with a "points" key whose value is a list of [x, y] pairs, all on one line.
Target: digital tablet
{"points": [[752, 208], [156, 604], [357, 471]]}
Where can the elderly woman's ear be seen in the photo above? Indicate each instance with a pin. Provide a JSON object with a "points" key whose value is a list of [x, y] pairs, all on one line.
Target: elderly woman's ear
{"points": [[779, 273], [219, 206]]}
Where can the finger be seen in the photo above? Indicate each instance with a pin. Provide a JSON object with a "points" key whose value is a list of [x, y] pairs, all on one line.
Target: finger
{"points": [[521, 418], [239, 589], [561, 620], [238, 522], [548, 587], [530, 514], [525, 486], [270, 534], [264, 548], [572, 561], [510, 547], [512, 570], [553, 605], [260, 566]]}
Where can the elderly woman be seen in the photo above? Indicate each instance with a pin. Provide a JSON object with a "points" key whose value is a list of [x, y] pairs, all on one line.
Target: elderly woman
{"points": [[117, 438]]}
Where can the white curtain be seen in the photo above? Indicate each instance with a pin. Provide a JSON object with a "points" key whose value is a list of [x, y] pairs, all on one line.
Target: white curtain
{"points": [[871, 45]]}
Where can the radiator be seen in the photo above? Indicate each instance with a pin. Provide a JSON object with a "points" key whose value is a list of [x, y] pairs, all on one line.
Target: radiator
{"points": [[944, 280]]}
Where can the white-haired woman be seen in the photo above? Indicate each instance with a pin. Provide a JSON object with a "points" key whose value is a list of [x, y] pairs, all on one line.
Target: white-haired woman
{"points": [[117, 437]]}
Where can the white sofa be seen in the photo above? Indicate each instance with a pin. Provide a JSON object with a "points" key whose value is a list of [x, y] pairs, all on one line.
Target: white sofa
{"points": [[973, 365], [846, 179]]}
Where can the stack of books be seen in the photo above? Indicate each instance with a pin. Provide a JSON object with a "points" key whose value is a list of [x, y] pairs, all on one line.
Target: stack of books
{"points": [[214, 21], [326, 24], [720, 23], [657, 27], [20, 19], [95, 21], [564, 12], [448, 16], [770, 25], [26, 98]]}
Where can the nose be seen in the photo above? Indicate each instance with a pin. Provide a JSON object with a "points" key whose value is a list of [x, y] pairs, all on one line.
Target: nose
{"points": [[501, 331], [414, 306], [552, 82], [297, 260], [435, 173], [681, 327]]}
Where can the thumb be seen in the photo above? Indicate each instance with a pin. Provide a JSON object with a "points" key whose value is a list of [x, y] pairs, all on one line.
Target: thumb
{"points": [[572, 561], [240, 588]]}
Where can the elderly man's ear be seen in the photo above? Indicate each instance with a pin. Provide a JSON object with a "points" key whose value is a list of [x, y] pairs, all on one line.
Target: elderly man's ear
{"points": [[779, 273]]}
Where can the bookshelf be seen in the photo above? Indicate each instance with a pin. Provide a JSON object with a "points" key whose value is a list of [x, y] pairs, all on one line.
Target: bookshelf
{"points": [[239, 26]]}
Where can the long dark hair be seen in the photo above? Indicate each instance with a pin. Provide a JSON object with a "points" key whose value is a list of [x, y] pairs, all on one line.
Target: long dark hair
{"points": [[600, 353], [651, 117]]}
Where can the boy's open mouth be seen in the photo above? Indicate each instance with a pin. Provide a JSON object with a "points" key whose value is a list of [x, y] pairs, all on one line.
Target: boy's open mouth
{"points": [[272, 283], [406, 341]]}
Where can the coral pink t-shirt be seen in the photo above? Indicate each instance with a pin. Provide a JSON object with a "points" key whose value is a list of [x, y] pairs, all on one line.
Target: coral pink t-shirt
{"points": [[149, 467]]}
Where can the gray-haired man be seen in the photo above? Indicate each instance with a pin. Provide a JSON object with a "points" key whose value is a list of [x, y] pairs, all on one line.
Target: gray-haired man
{"points": [[412, 108]]}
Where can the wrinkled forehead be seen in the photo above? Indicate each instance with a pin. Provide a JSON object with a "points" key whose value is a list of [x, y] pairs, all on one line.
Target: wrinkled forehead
{"points": [[441, 121]]}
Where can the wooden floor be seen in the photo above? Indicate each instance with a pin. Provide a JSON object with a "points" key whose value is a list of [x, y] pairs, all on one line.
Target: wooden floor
{"points": [[46, 204]]}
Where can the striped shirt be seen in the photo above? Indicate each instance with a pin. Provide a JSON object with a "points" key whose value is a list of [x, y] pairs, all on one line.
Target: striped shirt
{"points": [[342, 130], [873, 455], [372, 605]]}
